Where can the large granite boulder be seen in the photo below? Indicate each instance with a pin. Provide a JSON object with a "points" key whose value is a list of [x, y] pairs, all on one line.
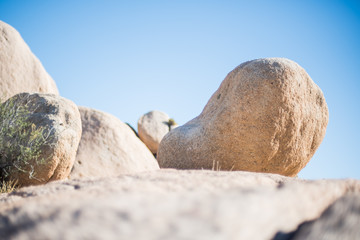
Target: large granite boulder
{"points": [[152, 127], [48, 155], [20, 70], [267, 116], [169, 204], [109, 147]]}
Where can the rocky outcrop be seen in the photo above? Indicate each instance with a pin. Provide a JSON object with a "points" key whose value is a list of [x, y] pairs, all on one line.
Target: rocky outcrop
{"points": [[109, 147], [168, 204], [267, 116], [339, 221], [20, 70], [152, 127], [59, 138]]}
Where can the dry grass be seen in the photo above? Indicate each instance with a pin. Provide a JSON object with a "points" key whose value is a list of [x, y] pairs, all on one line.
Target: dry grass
{"points": [[216, 166], [8, 186]]}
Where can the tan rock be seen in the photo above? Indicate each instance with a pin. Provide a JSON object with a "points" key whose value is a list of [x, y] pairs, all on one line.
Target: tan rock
{"points": [[60, 120], [20, 70], [267, 116], [168, 204], [152, 127], [109, 147]]}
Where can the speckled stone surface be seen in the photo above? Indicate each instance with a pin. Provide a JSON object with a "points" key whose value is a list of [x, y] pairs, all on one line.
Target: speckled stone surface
{"points": [[267, 116]]}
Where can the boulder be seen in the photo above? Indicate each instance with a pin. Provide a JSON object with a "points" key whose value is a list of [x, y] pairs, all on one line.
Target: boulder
{"points": [[109, 147], [267, 116], [20, 70], [58, 123], [152, 127], [169, 204]]}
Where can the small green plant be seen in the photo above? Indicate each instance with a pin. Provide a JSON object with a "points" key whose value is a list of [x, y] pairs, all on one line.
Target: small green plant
{"points": [[8, 186], [20, 142], [171, 122]]}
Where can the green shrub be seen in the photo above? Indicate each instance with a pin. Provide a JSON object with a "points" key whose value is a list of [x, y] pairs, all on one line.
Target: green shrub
{"points": [[171, 122], [20, 141]]}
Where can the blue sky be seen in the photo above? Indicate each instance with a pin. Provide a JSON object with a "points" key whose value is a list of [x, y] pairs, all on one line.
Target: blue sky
{"points": [[130, 57]]}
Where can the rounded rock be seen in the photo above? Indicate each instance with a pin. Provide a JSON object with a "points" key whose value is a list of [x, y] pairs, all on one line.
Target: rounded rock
{"points": [[60, 120], [20, 70], [267, 116], [109, 147], [152, 127]]}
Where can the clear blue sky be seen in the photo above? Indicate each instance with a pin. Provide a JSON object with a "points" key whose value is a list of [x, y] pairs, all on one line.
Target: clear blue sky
{"points": [[130, 57]]}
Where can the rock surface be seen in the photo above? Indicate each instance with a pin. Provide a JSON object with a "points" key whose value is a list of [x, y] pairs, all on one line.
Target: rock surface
{"points": [[267, 116], [168, 204], [61, 119], [340, 221], [152, 127], [109, 147], [20, 70]]}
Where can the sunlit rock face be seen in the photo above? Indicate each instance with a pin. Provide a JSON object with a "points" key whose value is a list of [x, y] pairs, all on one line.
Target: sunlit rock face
{"points": [[152, 127], [267, 116], [108, 147], [20, 70], [177, 205]]}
